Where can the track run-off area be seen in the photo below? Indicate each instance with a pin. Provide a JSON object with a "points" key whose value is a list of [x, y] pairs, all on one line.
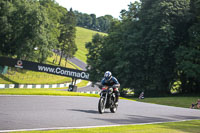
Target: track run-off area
{"points": [[24, 113]]}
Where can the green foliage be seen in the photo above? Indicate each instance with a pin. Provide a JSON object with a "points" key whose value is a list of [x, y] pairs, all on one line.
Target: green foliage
{"points": [[67, 35], [161, 36], [94, 57], [154, 45], [54, 14], [25, 27], [19, 29], [101, 24], [30, 28], [188, 55]]}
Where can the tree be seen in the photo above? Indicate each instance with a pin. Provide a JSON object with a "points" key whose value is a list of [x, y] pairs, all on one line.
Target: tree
{"points": [[27, 28], [188, 54], [5, 27], [94, 61], [140, 49], [113, 52], [92, 22], [104, 23], [158, 38], [67, 35], [125, 37], [55, 13], [30, 29]]}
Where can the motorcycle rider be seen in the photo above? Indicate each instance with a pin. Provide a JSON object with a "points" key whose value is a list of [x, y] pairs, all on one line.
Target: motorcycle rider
{"points": [[110, 80]]}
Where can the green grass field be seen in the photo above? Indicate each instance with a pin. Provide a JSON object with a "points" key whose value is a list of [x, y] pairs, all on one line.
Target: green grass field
{"points": [[171, 127], [83, 36]]}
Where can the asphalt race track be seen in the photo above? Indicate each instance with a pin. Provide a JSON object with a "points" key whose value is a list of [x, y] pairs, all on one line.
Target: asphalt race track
{"points": [[83, 66], [18, 113], [64, 112]]}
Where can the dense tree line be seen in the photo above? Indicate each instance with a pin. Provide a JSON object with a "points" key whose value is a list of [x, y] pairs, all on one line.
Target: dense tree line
{"points": [[31, 29], [155, 46], [92, 22]]}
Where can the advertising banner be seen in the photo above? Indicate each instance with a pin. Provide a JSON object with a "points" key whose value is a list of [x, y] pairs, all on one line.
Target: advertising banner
{"points": [[39, 67]]}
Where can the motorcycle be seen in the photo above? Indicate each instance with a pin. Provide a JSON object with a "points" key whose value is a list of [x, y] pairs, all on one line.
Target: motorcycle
{"points": [[107, 100]]}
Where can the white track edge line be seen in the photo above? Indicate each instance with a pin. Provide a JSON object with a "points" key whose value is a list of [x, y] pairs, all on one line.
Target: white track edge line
{"points": [[62, 128]]}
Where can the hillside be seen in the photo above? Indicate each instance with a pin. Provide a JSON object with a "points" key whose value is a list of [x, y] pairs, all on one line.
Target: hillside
{"points": [[29, 77], [82, 36]]}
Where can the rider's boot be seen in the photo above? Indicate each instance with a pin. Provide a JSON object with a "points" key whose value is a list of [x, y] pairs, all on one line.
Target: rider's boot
{"points": [[117, 97], [116, 100]]}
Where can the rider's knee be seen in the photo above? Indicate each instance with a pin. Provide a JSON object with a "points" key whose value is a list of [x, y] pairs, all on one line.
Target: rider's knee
{"points": [[116, 89]]}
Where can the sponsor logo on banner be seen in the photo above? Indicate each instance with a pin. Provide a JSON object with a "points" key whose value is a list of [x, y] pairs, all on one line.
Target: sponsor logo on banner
{"points": [[19, 64], [64, 72]]}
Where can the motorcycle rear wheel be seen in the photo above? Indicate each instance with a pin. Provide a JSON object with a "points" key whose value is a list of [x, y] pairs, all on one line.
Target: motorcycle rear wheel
{"points": [[101, 107]]}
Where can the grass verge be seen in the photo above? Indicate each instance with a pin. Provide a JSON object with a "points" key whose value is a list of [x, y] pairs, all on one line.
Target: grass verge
{"points": [[53, 92], [170, 127], [176, 101], [83, 83]]}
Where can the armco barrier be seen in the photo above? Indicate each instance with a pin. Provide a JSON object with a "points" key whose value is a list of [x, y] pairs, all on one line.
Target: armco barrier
{"points": [[3, 86], [90, 92]]}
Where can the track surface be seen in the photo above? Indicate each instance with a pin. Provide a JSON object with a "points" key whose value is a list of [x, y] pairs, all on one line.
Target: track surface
{"points": [[83, 66], [79, 63], [52, 112]]}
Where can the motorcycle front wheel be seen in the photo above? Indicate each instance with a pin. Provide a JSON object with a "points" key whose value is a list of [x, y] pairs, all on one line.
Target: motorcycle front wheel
{"points": [[113, 109], [101, 107]]}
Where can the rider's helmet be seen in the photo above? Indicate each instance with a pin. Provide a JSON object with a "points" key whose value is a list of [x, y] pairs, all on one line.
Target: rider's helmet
{"points": [[108, 75]]}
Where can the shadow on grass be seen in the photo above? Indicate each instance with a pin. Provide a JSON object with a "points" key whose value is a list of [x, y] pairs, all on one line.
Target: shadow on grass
{"points": [[7, 79]]}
